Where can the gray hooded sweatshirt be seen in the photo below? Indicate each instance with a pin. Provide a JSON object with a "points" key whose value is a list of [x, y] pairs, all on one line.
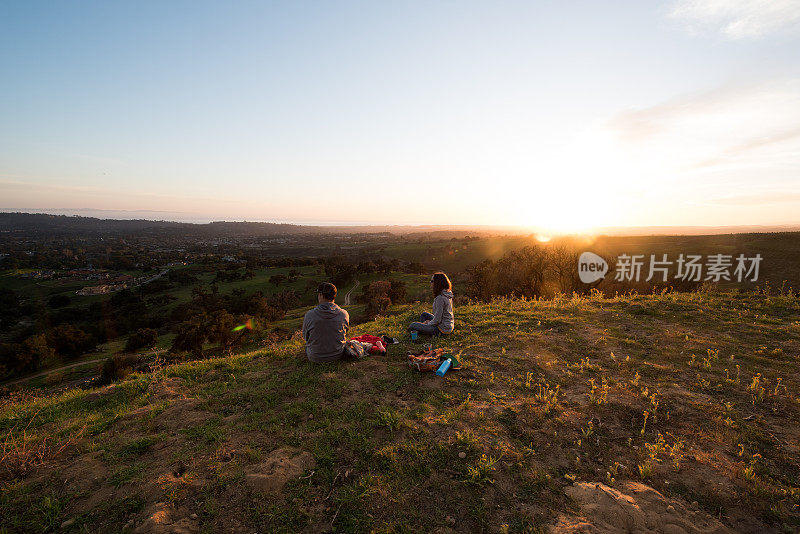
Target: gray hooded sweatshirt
{"points": [[443, 312], [325, 331]]}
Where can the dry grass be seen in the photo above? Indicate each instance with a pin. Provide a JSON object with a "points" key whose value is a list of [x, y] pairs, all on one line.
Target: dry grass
{"points": [[22, 450]]}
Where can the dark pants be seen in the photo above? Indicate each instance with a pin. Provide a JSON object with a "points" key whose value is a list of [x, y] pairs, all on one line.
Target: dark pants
{"points": [[427, 329]]}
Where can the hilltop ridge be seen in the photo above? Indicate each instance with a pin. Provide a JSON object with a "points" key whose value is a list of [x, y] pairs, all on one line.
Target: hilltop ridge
{"points": [[683, 406]]}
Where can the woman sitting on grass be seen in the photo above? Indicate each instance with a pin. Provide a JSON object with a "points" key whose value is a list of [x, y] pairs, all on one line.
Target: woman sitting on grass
{"points": [[441, 321]]}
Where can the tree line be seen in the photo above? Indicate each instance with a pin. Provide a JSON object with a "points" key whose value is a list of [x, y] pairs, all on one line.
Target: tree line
{"points": [[538, 271]]}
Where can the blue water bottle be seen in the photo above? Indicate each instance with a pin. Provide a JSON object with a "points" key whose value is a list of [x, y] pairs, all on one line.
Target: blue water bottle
{"points": [[444, 367]]}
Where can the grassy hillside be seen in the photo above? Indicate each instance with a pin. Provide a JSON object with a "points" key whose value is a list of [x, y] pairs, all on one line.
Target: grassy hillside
{"points": [[686, 405]]}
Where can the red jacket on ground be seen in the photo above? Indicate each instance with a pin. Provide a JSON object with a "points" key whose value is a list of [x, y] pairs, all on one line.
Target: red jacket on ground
{"points": [[377, 343]]}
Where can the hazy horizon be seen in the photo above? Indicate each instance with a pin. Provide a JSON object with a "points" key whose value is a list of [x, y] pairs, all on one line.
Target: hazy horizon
{"points": [[540, 232], [567, 116]]}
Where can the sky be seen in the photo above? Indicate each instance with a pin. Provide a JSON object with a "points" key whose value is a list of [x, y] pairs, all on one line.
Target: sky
{"points": [[562, 115]]}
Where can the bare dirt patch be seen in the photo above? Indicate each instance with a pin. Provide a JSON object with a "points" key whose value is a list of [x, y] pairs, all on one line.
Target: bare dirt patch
{"points": [[169, 388], [634, 508], [164, 519], [182, 413], [85, 473], [282, 465]]}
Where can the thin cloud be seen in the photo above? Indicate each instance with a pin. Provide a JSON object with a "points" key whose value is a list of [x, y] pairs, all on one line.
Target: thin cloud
{"points": [[23, 195], [639, 124], [738, 19], [790, 135], [717, 126], [769, 197]]}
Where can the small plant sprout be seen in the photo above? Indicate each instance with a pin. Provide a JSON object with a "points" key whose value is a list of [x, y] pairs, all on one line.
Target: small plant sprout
{"points": [[598, 395], [644, 425], [389, 418], [728, 422], [655, 448], [547, 395], [635, 381], [613, 472], [756, 389], [645, 470], [603, 336], [713, 354], [480, 473], [588, 430], [749, 472], [778, 386], [728, 378], [676, 452], [654, 401], [528, 380]]}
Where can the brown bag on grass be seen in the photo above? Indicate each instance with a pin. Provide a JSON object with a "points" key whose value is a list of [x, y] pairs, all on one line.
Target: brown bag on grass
{"points": [[426, 361]]}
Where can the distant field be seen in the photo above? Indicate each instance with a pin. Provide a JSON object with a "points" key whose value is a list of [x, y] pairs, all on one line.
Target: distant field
{"points": [[42, 289]]}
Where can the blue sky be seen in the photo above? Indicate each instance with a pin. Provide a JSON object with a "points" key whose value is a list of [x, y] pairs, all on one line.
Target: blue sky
{"points": [[561, 115]]}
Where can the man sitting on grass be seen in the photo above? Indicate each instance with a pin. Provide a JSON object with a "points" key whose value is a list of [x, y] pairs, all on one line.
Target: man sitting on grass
{"points": [[325, 327]]}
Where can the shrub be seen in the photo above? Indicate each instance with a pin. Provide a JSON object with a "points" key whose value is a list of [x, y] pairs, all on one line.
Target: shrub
{"points": [[376, 296], [58, 301], [397, 292], [70, 341], [118, 367], [220, 329], [285, 300], [19, 358], [190, 336], [142, 338]]}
